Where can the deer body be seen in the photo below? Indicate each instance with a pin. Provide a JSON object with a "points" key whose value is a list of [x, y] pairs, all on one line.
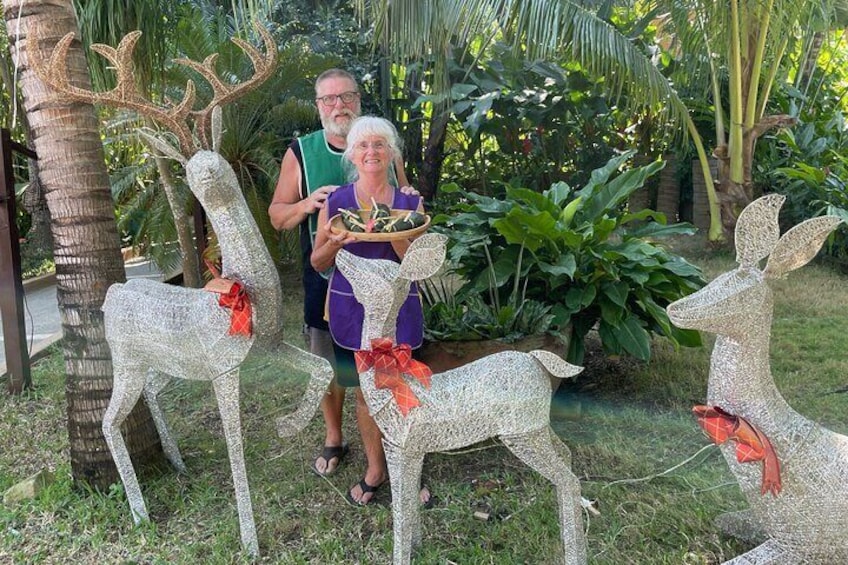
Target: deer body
{"points": [[157, 331], [807, 522], [505, 395]]}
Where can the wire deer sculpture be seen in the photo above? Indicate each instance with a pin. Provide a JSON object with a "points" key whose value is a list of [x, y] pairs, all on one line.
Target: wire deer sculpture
{"points": [[505, 395], [158, 331], [806, 518]]}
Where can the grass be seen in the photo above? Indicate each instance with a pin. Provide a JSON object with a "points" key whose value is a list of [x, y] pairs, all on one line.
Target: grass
{"points": [[626, 423]]}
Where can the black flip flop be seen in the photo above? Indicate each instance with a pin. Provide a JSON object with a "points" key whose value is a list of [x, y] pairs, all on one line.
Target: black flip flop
{"points": [[365, 488], [329, 453]]}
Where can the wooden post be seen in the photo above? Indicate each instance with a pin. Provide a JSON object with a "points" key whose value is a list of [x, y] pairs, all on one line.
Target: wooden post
{"points": [[11, 285]]}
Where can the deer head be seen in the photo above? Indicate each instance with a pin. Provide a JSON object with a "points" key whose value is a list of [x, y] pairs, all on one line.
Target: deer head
{"points": [[382, 286], [738, 298]]}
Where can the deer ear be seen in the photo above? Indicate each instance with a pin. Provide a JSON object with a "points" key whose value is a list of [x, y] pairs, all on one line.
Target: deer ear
{"points": [[799, 245], [423, 258], [155, 142], [757, 229]]}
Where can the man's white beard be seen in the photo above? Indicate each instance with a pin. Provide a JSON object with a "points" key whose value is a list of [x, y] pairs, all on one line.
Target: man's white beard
{"points": [[339, 129]]}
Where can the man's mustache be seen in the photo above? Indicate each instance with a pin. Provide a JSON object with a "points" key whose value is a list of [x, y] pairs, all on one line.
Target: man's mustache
{"points": [[345, 112]]}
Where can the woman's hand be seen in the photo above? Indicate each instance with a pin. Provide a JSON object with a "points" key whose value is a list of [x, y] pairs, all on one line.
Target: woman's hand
{"points": [[337, 240], [327, 244]]}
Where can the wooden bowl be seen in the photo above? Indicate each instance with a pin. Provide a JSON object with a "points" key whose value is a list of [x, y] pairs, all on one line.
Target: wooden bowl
{"points": [[337, 226]]}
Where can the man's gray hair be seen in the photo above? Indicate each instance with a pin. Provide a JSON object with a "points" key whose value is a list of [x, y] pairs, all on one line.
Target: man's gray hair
{"points": [[336, 73]]}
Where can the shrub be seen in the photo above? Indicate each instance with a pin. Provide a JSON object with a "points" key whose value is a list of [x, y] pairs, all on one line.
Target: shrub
{"points": [[569, 259]]}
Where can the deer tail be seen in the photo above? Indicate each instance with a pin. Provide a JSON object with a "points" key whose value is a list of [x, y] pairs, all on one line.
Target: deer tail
{"points": [[555, 365]]}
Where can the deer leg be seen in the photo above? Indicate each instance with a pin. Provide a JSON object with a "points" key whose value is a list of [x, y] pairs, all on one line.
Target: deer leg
{"points": [[156, 381], [126, 390], [405, 477], [227, 394], [539, 450]]}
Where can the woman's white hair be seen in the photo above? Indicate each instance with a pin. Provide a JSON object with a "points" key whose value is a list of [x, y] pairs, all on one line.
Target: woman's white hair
{"points": [[367, 126]]}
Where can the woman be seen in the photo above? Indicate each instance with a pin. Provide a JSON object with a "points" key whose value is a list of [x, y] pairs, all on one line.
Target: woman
{"points": [[372, 146]]}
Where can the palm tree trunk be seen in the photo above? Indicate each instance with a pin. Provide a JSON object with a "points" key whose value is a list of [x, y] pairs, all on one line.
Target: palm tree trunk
{"points": [[182, 221], [86, 243]]}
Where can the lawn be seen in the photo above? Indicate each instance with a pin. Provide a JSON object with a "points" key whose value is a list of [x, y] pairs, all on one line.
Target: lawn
{"points": [[637, 450]]}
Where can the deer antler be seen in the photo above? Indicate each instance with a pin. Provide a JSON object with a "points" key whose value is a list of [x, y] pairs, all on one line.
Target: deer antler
{"points": [[223, 93], [126, 93]]}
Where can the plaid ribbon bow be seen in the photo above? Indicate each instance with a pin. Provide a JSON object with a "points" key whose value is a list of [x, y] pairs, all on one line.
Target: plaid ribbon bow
{"points": [[389, 365], [238, 302], [751, 444]]}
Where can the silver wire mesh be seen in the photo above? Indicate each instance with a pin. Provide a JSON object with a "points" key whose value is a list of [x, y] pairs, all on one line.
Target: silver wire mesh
{"points": [[808, 521], [504, 395], [158, 331]]}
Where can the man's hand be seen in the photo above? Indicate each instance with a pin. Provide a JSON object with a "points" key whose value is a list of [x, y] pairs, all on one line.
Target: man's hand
{"points": [[315, 201]]}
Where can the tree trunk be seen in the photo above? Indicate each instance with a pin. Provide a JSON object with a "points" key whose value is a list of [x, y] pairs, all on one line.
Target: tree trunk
{"points": [[182, 221], [38, 240], [434, 156], [86, 243], [411, 127]]}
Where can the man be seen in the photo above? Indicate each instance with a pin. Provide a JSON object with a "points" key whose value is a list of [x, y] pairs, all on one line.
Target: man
{"points": [[311, 170]]}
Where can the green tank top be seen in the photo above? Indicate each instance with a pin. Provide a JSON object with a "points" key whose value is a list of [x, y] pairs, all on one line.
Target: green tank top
{"points": [[321, 166]]}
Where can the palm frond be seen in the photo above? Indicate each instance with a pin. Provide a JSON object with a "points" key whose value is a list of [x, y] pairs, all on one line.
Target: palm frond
{"points": [[414, 29]]}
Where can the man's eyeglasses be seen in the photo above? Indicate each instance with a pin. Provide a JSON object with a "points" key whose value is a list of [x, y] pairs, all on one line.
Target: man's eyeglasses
{"points": [[331, 99]]}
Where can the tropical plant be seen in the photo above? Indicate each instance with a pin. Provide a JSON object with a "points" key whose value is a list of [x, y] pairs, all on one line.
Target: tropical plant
{"points": [[578, 252], [747, 44], [409, 30], [808, 164], [528, 123]]}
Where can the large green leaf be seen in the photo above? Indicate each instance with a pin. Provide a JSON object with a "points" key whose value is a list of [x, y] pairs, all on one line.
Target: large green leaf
{"points": [[656, 312], [609, 195], [611, 313], [558, 193], [601, 175], [616, 292], [654, 229], [686, 338], [564, 265], [630, 335], [536, 201], [521, 227], [578, 298]]}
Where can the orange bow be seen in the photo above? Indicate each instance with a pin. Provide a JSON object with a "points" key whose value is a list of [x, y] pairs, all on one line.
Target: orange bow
{"points": [[238, 302], [751, 444], [233, 296], [389, 365]]}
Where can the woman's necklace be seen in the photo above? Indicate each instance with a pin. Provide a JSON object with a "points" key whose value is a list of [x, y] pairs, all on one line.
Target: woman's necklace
{"points": [[365, 197]]}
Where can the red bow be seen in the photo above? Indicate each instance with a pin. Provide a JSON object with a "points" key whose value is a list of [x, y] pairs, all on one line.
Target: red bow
{"points": [[238, 302], [389, 365], [751, 444]]}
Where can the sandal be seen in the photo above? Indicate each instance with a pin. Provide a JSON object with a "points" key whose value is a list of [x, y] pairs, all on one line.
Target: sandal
{"points": [[329, 453], [366, 489]]}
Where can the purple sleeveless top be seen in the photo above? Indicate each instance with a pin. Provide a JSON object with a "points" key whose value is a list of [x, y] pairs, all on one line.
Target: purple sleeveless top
{"points": [[346, 314]]}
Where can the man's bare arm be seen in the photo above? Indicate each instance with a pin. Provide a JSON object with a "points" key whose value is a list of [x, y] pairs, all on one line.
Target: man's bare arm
{"points": [[287, 209]]}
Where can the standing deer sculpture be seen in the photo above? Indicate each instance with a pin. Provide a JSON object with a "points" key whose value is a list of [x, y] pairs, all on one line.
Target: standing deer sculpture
{"points": [[805, 518], [505, 395], [158, 331]]}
